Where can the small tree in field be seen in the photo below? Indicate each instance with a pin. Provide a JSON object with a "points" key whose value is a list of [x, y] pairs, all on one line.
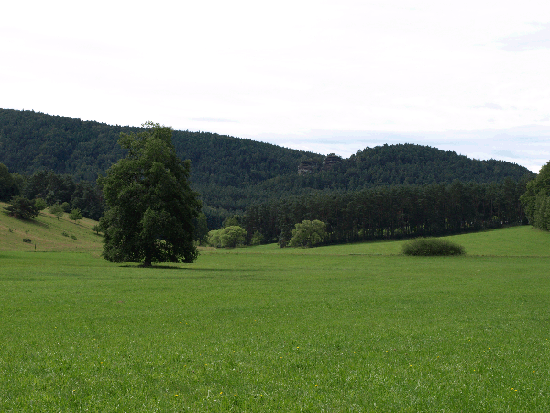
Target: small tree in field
{"points": [[308, 233], [56, 210], [75, 215], [257, 238], [40, 204], [213, 238], [232, 237]]}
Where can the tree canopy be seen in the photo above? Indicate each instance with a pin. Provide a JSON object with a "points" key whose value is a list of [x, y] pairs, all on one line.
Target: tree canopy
{"points": [[536, 199], [308, 233], [22, 208], [150, 205]]}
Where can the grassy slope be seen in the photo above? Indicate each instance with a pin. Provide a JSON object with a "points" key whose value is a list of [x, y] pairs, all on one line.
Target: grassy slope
{"points": [[46, 232], [342, 328], [515, 241]]}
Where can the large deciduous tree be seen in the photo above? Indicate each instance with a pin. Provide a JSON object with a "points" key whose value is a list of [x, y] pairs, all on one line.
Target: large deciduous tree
{"points": [[150, 205]]}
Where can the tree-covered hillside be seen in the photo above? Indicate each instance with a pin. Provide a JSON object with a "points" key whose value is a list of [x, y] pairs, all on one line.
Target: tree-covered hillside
{"points": [[231, 173], [31, 141]]}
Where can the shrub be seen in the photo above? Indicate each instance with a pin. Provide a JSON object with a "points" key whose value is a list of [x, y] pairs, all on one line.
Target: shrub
{"points": [[56, 210], [257, 238], [432, 246], [22, 208], [40, 204], [229, 237], [232, 237], [27, 240], [308, 233], [75, 214], [213, 239], [65, 234], [73, 237]]}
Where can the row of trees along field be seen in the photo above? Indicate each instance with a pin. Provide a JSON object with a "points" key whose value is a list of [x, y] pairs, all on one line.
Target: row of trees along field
{"points": [[392, 212], [536, 199], [53, 189]]}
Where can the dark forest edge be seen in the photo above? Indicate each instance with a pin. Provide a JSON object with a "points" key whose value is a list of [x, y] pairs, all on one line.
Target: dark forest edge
{"points": [[392, 212], [386, 192]]}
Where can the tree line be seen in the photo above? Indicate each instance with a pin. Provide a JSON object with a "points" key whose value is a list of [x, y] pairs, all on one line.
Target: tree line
{"points": [[392, 212], [52, 189], [536, 199]]}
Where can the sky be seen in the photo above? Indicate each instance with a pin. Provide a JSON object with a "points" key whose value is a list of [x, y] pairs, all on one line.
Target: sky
{"points": [[326, 76]]}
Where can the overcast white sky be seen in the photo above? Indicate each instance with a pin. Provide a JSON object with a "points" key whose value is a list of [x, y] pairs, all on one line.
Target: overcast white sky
{"points": [[327, 76]]}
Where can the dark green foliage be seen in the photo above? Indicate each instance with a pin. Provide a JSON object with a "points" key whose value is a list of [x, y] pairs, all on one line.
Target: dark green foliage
{"points": [[257, 238], [536, 199], [151, 206], [231, 174], [96, 229], [432, 246], [31, 141], [390, 191], [393, 212], [22, 208], [8, 185], [232, 221], [63, 190], [201, 228], [27, 240]]}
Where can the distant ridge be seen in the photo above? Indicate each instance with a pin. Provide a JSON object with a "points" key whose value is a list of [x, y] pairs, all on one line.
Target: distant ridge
{"points": [[230, 173]]}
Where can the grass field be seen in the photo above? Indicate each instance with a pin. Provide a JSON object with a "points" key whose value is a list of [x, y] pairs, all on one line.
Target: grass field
{"points": [[354, 328]]}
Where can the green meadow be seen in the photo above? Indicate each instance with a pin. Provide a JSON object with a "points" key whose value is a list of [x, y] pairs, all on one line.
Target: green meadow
{"points": [[348, 328]]}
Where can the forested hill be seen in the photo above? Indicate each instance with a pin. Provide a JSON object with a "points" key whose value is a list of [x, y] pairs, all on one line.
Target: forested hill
{"points": [[231, 173], [32, 141]]}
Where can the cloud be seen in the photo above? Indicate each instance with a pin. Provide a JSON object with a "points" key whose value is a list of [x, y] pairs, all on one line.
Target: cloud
{"points": [[213, 120], [540, 39], [528, 146], [492, 106]]}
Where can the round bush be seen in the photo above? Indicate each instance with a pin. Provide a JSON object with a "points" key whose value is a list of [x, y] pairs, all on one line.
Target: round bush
{"points": [[432, 246]]}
